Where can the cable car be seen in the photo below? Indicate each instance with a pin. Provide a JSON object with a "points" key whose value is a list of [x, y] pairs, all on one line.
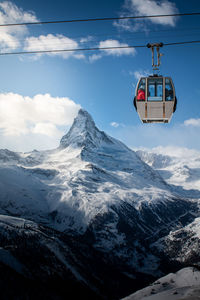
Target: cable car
{"points": [[155, 99]]}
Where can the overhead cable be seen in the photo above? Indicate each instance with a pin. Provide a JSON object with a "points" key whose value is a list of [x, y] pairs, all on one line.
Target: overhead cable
{"points": [[69, 50], [181, 43], [101, 19], [92, 48]]}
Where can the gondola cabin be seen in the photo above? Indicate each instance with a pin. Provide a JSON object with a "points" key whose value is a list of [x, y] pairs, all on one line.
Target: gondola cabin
{"points": [[155, 99]]}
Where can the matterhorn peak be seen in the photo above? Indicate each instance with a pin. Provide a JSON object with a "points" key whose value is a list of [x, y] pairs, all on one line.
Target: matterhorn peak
{"points": [[84, 120], [83, 132]]}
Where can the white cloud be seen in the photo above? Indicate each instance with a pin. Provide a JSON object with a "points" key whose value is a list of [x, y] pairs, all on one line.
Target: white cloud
{"points": [[53, 42], [94, 57], [10, 13], [41, 114], [10, 36], [46, 129], [87, 39], [117, 125], [140, 73], [192, 122], [114, 124], [147, 8], [116, 52], [153, 7], [113, 52]]}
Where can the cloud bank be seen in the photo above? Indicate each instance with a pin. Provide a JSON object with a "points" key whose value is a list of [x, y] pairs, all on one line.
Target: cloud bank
{"points": [[52, 42], [192, 122], [10, 37], [112, 52], [153, 7], [41, 119], [147, 8]]}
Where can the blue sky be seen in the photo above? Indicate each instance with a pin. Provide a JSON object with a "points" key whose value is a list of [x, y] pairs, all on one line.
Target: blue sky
{"points": [[40, 95]]}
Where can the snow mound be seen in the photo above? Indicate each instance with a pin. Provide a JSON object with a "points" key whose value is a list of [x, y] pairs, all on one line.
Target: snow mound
{"points": [[185, 284]]}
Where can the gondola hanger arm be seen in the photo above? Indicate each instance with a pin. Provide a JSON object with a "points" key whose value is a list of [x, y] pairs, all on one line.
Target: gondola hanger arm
{"points": [[155, 65]]}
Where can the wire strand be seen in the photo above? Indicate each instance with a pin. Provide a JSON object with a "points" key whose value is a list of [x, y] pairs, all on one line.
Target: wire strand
{"points": [[92, 49], [69, 50], [180, 43], [101, 19]]}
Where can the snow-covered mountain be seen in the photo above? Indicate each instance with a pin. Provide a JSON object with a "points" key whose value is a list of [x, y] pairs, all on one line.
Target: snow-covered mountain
{"points": [[96, 200], [178, 166], [87, 174], [185, 284]]}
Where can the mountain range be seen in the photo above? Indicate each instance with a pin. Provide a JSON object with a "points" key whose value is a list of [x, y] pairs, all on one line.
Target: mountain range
{"points": [[93, 218]]}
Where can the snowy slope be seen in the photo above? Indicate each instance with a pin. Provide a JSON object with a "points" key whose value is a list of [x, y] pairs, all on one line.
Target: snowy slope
{"points": [[178, 166], [21, 193], [185, 284]]}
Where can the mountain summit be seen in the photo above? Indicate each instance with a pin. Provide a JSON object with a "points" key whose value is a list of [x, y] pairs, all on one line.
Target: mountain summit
{"points": [[83, 132]]}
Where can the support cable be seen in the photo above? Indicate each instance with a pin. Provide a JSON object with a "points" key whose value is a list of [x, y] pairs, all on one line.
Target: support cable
{"points": [[101, 19], [92, 49]]}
